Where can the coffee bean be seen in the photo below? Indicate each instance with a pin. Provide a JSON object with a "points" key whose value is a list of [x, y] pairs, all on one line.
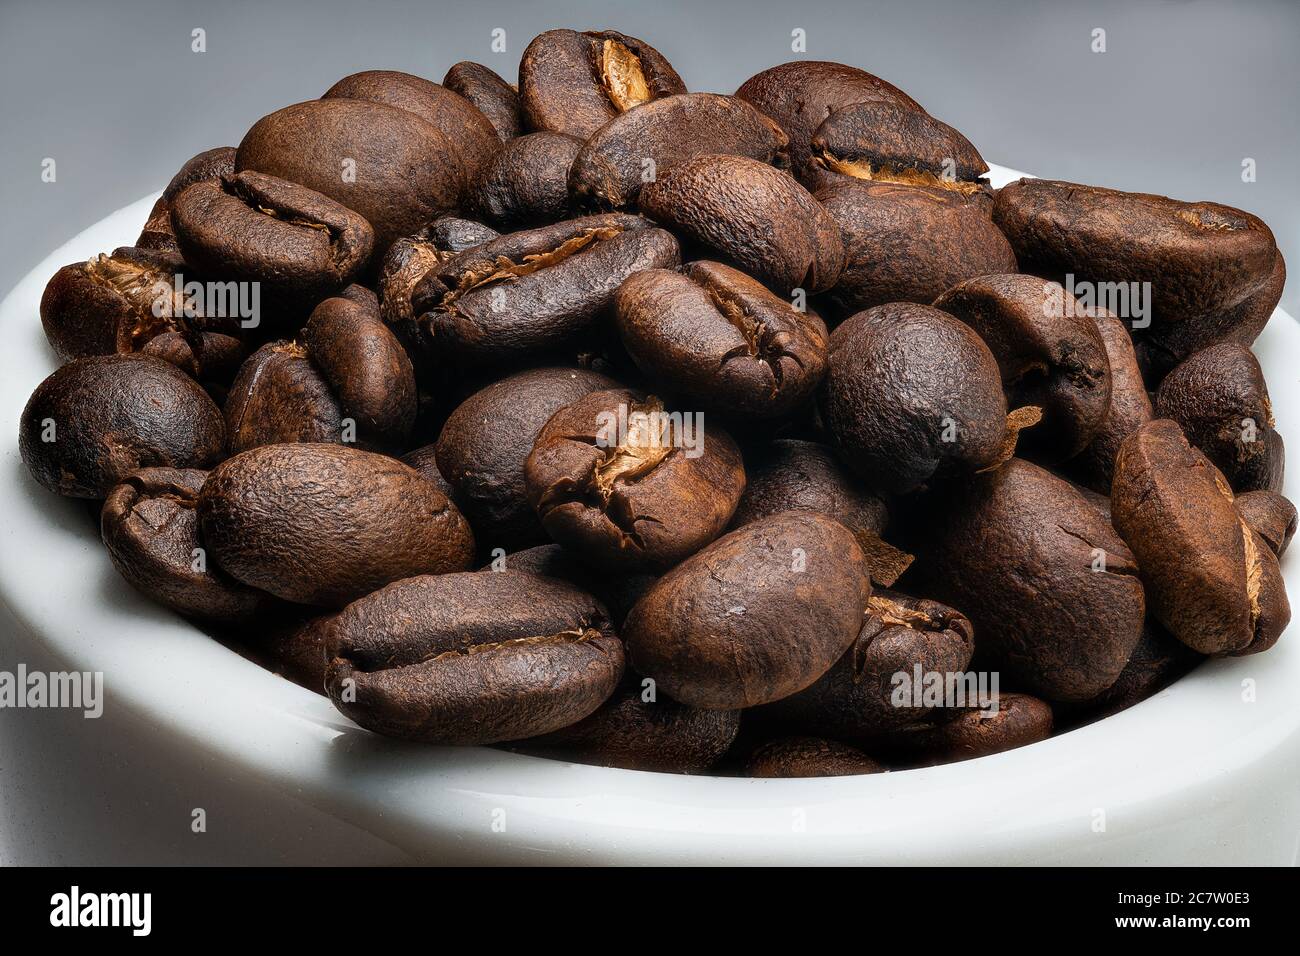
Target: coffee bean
{"points": [[574, 83], [721, 339], [660, 135], [758, 615], [326, 524], [615, 478], [96, 420], [809, 757], [471, 658], [492, 96], [1211, 580], [209, 164], [752, 215], [1156, 662], [1270, 515], [1020, 720], [526, 184]]}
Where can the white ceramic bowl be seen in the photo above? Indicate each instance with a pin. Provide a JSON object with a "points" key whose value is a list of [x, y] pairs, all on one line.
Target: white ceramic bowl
{"points": [[1200, 773]]}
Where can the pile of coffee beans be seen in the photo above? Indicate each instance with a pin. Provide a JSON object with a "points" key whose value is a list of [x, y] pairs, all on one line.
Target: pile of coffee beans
{"points": [[603, 420]]}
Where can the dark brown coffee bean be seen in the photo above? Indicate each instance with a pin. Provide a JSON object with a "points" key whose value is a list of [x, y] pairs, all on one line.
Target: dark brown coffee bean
{"points": [[574, 83], [1158, 660], [642, 144], [362, 295], [1049, 354], [96, 420], [278, 397], [1213, 582], [911, 390], [209, 164], [886, 142], [1220, 399], [1270, 515], [752, 215], [1130, 407], [757, 616], [617, 480], [425, 460], [1027, 558], [721, 339], [486, 440], [910, 244], [325, 524], [471, 658], [1199, 258], [255, 228], [802, 94], [526, 184], [387, 164], [859, 696], [115, 303], [809, 757], [455, 117], [534, 289], [789, 474], [633, 733], [1020, 720], [491, 95], [150, 525]]}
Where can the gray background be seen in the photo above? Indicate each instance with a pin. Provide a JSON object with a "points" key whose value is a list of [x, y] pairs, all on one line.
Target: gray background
{"points": [[1185, 91]]}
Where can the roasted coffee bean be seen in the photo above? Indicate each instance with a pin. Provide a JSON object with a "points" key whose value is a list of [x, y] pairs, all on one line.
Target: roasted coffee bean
{"points": [[789, 474], [574, 83], [809, 757], [362, 295], [1027, 558], [885, 142], [209, 164], [634, 733], [325, 524], [1200, 259], [802, 94], [251, 227], [758, 615], [859, 696], [1220, 399], [910, 244], [471, 658], [291, 647], [1050, 355], [150, 525], [1211, 580], [1019, 720], [1270, 515], [526, 184], [646, 142], [622, 482], [721, 339], [491, 95], [96, 420], [1158, 660], [346, 380], [387, 164], [1130, 407], [486, 440], [752, 215], [910, 391], [425, 460], [535, 289], [115, 303], [455, 117]]}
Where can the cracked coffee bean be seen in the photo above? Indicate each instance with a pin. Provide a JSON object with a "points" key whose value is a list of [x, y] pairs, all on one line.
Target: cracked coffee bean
{"points": [[96, 420], [659, 136], [809, 757], [483, 446], [1220, 399], [209, 164], [911, 391], [326, 524], [1270, 515], [471, 658], [1049, 353], [1211, 580], [618, 480], [526, 184], [574, 83], [150, 526], [721, 339], [1027, 558], [491, 95], [535, 289], [756, 616]]}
